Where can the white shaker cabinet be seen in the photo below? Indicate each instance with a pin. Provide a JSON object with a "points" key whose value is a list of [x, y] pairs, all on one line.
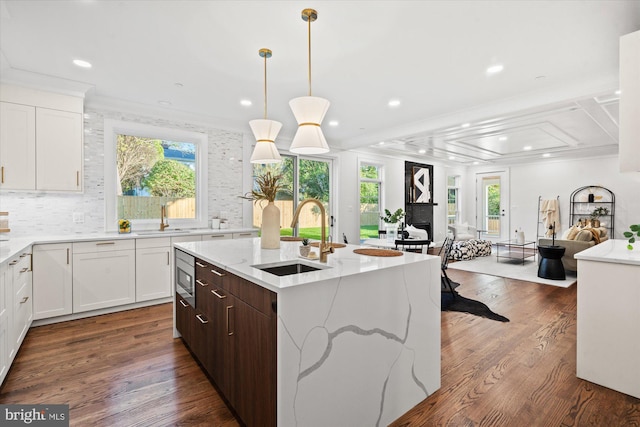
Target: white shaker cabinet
{"points": [[52, 280], [153, 268], [17, 146], [58, 150], [104, 274]]}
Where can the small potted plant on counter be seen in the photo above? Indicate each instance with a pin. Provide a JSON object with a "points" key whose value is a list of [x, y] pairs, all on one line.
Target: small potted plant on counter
{"points": [[631, 235], [305, 248], [124, 226]]}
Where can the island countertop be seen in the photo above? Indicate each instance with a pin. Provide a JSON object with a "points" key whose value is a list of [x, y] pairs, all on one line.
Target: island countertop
{"points": [[612, 251], [240, 256]]}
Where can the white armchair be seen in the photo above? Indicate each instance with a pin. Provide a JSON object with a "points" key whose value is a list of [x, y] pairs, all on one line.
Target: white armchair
{"points": [[463, 231]]}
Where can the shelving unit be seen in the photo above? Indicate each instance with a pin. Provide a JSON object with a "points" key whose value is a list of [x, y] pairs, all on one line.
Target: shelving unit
{"points": [[585, 199]]}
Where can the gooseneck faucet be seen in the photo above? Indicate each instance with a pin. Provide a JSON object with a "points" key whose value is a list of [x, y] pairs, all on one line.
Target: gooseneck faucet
{"points": [[163, 216], [326, 248]]}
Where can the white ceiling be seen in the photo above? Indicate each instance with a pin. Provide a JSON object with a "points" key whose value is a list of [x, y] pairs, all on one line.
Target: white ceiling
{"points": [[556, 93]]}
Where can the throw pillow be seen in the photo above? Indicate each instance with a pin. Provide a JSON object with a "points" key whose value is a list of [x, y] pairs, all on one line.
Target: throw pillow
{"points": [[584, 235], [573, 232]]}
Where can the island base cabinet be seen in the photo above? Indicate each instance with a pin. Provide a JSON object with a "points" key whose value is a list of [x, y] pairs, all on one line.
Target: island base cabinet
{"points": [[184, 319]]}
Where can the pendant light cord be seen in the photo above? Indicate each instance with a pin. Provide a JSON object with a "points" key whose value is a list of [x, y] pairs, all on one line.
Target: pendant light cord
{"points": [[309, 47], [265, 87]]}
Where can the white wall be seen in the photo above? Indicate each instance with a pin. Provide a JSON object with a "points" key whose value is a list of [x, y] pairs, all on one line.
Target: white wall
{"points": [[561, 178], [45, 213], [393, 183]]}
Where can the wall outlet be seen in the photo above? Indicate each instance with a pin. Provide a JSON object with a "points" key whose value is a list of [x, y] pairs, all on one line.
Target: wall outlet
{"points": [[78, 217]]}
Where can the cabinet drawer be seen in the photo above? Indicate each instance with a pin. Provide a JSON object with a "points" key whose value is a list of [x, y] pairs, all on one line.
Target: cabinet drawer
{"points": [[153, 242], [255, 295], [245, 235], [103, 246], [217, 236], [209, 273]]}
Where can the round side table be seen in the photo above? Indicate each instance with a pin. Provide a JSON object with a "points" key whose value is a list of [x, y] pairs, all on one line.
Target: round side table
{"points": [[550, 266]]}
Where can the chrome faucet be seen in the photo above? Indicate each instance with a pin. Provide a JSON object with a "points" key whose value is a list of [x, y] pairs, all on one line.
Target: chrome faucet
{"points": [[325, 247], [163, 216]]}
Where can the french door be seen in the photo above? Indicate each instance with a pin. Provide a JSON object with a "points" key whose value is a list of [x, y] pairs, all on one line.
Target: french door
{"points": [[492, 205]]}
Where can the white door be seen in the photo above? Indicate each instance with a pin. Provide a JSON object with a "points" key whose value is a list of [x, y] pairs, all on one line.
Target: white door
{"points": [[492, 205]]}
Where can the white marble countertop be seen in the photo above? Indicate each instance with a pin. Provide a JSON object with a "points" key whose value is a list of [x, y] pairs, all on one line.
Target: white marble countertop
{"points": [[612, 251], [239, 257], [16, 245]]}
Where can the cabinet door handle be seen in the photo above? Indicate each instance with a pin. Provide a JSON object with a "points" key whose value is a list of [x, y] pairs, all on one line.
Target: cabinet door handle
{"points": [[216, 236], [77, 178], [217, 273], [68, 256], [201, 265], [24, 299], [215, 292], [24, 254], [203, 321], [244, 234], [105, 243], [184, 304], [2, 174], [229, 307], [24, 270], [201, 283], [14, 262]]}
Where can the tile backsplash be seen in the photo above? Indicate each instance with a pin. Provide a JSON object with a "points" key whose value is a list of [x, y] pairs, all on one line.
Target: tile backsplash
{"points": [[38, 212]]}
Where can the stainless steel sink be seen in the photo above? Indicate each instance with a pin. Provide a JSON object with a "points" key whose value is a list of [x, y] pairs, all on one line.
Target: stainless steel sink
{"points": [[288, 269]]}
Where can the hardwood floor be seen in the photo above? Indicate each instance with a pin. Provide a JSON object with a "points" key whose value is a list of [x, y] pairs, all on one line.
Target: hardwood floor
{"points": [[125, 369]]}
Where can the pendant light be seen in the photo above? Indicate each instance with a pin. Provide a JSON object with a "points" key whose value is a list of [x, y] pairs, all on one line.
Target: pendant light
{"points": [[265, 131], [309, 110]]}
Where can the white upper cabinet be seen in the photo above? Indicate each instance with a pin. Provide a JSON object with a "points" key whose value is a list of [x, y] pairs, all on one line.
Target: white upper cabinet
{"points": [[58, 150], [17, 146], [40, 141]]}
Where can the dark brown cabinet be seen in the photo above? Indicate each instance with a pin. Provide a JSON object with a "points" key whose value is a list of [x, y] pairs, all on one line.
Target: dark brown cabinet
{"points": [[232, 333]]}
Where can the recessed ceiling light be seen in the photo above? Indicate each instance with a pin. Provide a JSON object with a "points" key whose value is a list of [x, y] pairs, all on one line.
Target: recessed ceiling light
{"points": [[381, 143], [246, 103], [394, 103], [476, 163], [495, 69], [502, 138], [618, 92], [466, 125], [527, 148], [546, 155], [165, 103], [81, 63], [422, 151], [451, 158], [334, 123]]}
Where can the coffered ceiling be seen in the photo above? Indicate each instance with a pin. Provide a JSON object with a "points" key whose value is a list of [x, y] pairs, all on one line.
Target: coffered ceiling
{"points": [[199, 59]]}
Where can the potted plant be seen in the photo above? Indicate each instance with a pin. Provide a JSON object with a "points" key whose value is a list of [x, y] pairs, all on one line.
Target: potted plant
{"points": [[266, 188], [391, 221], [305, 248], [635, 228], [124, 226], [597, 213]]}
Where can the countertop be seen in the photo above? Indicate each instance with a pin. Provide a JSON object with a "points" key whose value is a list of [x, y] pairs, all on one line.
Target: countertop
{"points": [[239, 256], [612, 251], [16, 245]]}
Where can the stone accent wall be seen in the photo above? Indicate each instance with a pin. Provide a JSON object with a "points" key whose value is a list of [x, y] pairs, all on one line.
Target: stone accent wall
{"points": [[48, 213]]}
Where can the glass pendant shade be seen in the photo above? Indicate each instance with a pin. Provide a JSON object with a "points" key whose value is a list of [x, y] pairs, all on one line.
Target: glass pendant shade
{"points": [[265, 131], [309, 112]]}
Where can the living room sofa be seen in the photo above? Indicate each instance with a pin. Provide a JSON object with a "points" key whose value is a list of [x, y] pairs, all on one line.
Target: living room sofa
{"points": [[576, 240]]}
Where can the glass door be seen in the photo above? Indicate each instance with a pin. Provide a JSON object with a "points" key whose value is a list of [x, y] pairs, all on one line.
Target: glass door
{"points": [[492, 201], [370, 197], [314, 182]]}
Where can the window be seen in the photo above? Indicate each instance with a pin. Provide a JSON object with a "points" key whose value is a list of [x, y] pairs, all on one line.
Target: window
{"points": [[147, 167], [453, 200], [308, 178], [370, 197]]}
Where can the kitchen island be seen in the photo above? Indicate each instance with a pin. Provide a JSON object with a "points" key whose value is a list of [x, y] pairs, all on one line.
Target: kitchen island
{"points": [[357, 341], [608, 339]]}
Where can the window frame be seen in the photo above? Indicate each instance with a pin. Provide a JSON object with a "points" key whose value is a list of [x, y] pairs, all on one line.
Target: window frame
{"points": [[112, 128], [379, 180], [456, 188]]}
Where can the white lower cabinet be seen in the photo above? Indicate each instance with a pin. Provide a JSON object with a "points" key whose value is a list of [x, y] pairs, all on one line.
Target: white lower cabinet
{"points": [[153, 268], [52, 280], [104, 274]]}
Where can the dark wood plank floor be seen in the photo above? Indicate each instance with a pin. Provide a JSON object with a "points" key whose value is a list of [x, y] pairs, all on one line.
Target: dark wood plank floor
{"points": [[124, 369]]}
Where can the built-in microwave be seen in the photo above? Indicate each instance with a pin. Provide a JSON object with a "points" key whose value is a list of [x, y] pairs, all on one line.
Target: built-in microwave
{"points": [[185, 277]]}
